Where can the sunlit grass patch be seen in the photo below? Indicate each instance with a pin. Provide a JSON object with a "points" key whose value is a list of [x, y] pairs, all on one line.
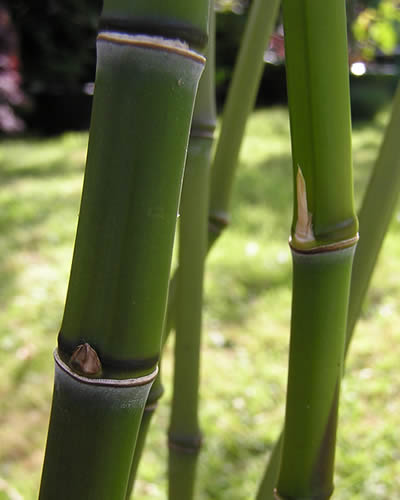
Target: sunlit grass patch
{"points": [[246, 323]]}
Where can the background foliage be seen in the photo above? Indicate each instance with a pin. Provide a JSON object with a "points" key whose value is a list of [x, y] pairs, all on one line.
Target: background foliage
{"points": [[57, 49]]}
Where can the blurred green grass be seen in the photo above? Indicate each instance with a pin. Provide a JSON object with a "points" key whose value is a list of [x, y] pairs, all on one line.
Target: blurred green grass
{"points": [[246, 323]]}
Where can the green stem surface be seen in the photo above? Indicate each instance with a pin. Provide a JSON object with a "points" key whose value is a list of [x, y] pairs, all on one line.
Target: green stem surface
{"points": [[323, 238], [239, 104], [376, 211], [112, 325], [184, 435]]}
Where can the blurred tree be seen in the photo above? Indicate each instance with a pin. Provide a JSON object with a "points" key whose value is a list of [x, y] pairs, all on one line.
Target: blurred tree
{"points": [[57, 40], [377, 26]]}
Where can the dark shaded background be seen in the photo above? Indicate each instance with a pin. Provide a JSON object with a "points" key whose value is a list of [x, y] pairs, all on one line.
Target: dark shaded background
{"points": [[53, 45]]}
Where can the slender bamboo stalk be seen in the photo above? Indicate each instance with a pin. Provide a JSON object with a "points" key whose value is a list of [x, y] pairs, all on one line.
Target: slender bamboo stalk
{"points": [[239, 103], [383, 188], [377, 208], [324, 234], [184, 435], [108, 346]]}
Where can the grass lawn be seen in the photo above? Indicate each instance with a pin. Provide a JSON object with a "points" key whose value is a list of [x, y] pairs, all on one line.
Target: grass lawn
{"points": [[246, 324]]}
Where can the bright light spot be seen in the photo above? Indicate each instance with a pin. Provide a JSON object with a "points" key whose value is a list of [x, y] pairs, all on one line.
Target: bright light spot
{"points": [[386, 310], [252, 249], [358, 68], [282, 256], [88, 88], [366, 373], [7, 343], [238, 403], [217, 339]]}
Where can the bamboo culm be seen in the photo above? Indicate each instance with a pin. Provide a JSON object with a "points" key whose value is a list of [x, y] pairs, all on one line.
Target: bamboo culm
{"points": [[184, 434], [239, 103], [323, 239], [109, 343]]}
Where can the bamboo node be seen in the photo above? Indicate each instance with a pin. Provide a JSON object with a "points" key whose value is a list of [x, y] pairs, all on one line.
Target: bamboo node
{"points": [[85, 360], [152, 42], [217, 222], [185, 444], [110, 382]]}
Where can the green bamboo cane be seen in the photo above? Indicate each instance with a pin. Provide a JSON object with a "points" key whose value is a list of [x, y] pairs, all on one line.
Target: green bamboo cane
{"points": [[377, 208], [239, 104], [108, 346], [324, 234], [197, 164], [184, 435]]}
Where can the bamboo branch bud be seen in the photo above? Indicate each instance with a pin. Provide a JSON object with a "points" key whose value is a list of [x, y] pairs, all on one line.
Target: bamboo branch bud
{"points": [[86, 361]]}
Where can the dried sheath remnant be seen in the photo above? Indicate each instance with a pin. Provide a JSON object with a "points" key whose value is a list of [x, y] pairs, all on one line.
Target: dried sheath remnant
{"points": [[85, 360], [152, 42], [303, 232]]}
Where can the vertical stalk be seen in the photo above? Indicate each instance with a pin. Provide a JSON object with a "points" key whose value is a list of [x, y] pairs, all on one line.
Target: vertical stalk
{"points": [[239, 104], [324, 234], [184, 435], [376, 211], [375, 214], [109, 343]]}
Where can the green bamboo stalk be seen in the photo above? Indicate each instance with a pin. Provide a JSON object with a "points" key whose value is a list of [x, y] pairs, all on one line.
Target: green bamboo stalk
{"points": [[184, 435], [239, 104], [324, 234], [378, 205], [109, 343], [377, 209]]}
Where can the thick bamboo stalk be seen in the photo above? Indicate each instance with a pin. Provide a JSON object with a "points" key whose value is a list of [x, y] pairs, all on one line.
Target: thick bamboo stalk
{"points": [[324, 234], [109, 343], [378, 206]]}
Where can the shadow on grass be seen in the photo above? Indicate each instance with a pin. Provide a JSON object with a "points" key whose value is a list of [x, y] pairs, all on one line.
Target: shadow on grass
{"points": [[39, 195]]}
